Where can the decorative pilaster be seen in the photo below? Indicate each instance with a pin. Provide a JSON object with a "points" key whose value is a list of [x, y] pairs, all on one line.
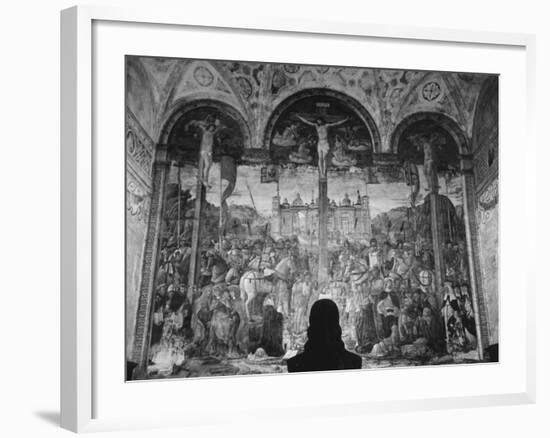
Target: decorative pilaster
{"points": [[468, 190], [146, 293]]}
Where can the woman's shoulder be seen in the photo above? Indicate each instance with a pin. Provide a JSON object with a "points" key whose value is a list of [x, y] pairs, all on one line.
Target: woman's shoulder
{"points": [[296, 363], [352, 360]]}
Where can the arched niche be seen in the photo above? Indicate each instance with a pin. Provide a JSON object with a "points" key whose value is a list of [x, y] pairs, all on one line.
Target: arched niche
{"points": [[448, 146], [453, 156], [359, 133], [430, 121], [183, 139]]}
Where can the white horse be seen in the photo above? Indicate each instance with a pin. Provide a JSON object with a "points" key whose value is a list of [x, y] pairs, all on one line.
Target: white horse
{"points": [[254, 283]]}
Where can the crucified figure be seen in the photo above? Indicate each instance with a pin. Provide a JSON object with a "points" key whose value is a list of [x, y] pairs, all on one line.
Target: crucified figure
{"points": [[427, 144], [208, 131], [322, 143]]}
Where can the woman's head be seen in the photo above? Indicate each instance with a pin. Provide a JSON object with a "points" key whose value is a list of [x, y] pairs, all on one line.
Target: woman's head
{"points": [[324, 325], [324, 312]]}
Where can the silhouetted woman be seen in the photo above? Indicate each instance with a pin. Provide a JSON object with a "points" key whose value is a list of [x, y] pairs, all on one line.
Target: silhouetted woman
{"points": [[324, 349]]}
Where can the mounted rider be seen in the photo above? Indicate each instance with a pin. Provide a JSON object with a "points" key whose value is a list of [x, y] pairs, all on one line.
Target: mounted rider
{"points": [[235, 261]]}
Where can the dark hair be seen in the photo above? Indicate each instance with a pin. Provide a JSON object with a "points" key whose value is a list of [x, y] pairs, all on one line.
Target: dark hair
{"points": [[324, 332]]}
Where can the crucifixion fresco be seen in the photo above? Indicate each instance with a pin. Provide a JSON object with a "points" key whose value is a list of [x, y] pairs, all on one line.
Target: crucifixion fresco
{"points": [[302, 218]]}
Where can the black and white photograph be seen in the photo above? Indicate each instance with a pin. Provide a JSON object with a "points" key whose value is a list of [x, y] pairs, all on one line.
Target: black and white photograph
{"points": [[278, 219], [287, 218]]}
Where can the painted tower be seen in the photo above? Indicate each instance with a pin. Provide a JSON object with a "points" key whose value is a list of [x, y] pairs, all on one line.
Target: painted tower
{"points": [[365, 216], [276, 216]]}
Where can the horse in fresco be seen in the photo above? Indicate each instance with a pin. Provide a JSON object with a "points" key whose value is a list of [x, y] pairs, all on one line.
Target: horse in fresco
{"points": [[253, 283]]}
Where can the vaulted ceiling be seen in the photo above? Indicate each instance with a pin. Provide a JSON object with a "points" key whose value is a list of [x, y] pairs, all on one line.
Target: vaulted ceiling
{"points": [[157, 86]]}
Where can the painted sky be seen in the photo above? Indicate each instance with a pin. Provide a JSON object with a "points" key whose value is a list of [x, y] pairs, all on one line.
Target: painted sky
{"points": [[383, 197]]}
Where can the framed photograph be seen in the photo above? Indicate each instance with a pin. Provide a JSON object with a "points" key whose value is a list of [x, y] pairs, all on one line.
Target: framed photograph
{"points": [[291, 208]]}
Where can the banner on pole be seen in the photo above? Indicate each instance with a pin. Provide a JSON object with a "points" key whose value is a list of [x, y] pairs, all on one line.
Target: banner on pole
{"points": [[269, 173]]}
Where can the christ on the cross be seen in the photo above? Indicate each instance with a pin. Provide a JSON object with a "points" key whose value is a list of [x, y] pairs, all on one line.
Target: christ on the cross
{"points": [[322, 142], [208, 130]]}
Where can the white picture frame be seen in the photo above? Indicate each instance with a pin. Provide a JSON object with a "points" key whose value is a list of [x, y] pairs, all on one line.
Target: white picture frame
{"points": [[79, 201]]}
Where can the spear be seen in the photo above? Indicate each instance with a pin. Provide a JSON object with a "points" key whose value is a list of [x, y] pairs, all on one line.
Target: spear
{"points": [[251, 197]]}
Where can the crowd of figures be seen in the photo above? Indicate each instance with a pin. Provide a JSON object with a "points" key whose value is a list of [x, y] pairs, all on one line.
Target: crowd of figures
{"points": [[254, 296]]}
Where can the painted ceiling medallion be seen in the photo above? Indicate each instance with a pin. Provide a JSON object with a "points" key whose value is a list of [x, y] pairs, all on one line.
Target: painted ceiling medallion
{"points": [[431, 91], [203, 76], [291, 68]]}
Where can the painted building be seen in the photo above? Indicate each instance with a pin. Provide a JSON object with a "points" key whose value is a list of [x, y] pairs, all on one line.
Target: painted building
{"points": [[347, 219]]}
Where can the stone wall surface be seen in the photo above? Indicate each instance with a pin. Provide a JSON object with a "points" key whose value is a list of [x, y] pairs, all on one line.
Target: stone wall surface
{"points": [[139, 155], [487, 217], [485, 149]]}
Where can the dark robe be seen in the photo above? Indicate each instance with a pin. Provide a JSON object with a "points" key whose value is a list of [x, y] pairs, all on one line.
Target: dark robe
{"points": [[366, 328], [272, 332], [432, 332]]}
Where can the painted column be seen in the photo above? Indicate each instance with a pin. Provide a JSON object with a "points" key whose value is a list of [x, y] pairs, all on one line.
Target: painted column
{"points": [[466, 167], [437, 243], [142, 336], [323, 232], [426, 143]]}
